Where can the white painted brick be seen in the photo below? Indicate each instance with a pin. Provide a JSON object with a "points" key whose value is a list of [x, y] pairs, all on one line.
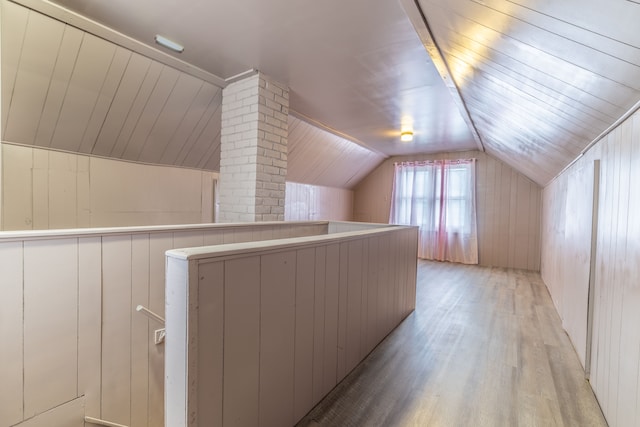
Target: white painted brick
{"points": [[273, 105], [273, 154], [282, 118], [282, 100], [272, 137], [253, 153], [273, 121], [272, 170], [282, 148], [283, 133], [279, 163], [273, 88]]}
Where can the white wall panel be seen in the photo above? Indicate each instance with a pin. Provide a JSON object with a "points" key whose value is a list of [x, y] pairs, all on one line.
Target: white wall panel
{"points": [[209, 137], [90, 323], [277, 338], [304, 332], [331, 317], [242, 342], [214, 108], [105, 97], [89, 73], [40, 185], [60, 78], [17, 205], [312, 202], [116, 328], [11, 334], [83, 336], [50, 324], [47, 189], [273, 307], [170, 117], [153, 107], [210, 352], [319, 157], [319, 304], [13, 25], [134, 113], [353, 311], [141, 335], [134, 75], [615, 373], [37, 60], [202, 102], [159, 243]]}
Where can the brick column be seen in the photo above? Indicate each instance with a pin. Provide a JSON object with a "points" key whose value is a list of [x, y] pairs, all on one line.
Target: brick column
{"points": [[253, 151]]}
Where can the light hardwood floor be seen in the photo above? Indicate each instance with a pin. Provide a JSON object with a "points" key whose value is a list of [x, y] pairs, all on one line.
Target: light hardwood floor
{"points": [[485, 347]]}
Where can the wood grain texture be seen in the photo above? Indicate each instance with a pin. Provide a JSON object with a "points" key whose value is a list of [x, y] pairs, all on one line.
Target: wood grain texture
{"points": [[508, 208], [50, 316], [319, 157], [615, 348], [313, 202], [46, 189], [12, 337], [468, 356], [70, 90], [295, 323], [242, 342], [79, 295], [277, 338]]}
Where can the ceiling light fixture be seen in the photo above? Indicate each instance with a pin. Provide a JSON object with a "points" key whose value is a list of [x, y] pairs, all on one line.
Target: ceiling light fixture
{"points": [[406, 136], [169, 44]]}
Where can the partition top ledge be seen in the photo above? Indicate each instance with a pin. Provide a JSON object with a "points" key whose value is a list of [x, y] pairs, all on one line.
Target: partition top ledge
{"points": [[244, 248], [7, 236]]}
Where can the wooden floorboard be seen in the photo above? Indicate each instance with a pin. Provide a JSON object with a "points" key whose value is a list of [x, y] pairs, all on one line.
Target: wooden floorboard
{"points": [[485, 347]]}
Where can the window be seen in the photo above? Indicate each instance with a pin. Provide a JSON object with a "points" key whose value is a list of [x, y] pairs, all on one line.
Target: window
{"points": [[439, 197]]}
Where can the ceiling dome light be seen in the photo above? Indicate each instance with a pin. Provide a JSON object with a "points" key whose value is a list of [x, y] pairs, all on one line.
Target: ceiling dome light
{"points": [[406, 136], [169, 44]]}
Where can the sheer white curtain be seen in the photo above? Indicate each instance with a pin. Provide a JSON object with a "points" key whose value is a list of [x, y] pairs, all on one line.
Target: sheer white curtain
{"points": [[439, 196]]}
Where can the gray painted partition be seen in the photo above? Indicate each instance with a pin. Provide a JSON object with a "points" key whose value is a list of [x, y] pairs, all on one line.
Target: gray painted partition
{"points": [[72, 343], [258, 333]]}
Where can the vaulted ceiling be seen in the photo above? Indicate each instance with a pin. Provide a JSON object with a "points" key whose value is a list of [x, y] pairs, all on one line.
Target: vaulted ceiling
{"points": [[531, 82]]}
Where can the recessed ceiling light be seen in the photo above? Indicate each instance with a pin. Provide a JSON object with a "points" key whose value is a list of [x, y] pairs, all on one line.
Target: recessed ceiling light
{"points": [[169, 44], [406, 136]]}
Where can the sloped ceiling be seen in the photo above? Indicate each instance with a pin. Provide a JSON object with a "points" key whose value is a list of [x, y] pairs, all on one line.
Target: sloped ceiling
{"points": [[532, 82], [541, 79], [69, 90]]}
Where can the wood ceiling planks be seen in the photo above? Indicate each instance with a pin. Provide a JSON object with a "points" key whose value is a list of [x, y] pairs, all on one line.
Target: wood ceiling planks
{"points": [[538, 82]]}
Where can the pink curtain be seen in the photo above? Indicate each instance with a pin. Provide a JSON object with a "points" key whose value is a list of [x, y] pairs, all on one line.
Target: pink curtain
{"points": [[439, 196]]}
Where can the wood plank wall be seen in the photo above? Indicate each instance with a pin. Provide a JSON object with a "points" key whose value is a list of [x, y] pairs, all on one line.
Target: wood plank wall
{"points": [[508, 208], [282, 326], [45, 189], [312, 202], [71, 338], [70, 90], [615, 371]]}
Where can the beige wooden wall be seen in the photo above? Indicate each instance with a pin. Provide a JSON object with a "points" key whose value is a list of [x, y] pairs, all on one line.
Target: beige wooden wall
{"points": [[282, 325], [314, 202], [72, 341], [44, 189], [508, 208], [615, 371]]}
